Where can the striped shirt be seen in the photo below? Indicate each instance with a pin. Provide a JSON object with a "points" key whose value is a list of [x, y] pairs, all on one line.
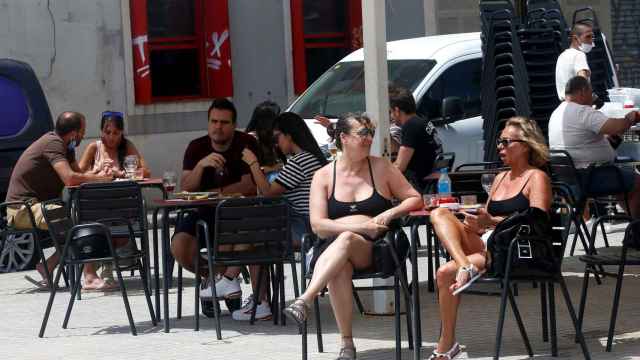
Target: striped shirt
{"points": [[295, 177]]}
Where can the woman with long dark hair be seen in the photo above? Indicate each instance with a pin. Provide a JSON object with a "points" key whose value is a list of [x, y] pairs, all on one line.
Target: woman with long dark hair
{"points": [[294, 139], [109, 152], [261, 127]]}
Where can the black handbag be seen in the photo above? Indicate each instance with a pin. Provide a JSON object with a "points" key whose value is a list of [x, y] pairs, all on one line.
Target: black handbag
{"points": [[532, 255]]}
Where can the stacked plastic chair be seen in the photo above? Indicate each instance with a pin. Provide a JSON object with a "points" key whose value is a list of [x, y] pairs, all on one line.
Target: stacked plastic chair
{"points": [[504, 76], [601, 72], [541, 40]]}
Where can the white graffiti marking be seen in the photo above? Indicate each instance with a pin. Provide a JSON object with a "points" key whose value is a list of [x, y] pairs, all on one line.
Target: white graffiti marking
{"points": [[139, 42]]}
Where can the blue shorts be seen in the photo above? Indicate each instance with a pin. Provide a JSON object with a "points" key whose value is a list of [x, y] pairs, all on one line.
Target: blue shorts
{"points": [[607, 180]]}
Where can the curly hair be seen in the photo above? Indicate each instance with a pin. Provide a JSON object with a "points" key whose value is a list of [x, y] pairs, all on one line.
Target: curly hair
{"points": [[532, 135]]}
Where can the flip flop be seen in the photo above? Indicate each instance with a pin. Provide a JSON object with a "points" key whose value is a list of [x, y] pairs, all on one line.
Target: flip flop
{"points": [[105, 287]]}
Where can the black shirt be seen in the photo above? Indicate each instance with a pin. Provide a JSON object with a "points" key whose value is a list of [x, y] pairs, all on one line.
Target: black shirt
{"points": [[420, 135], [234, 166]]}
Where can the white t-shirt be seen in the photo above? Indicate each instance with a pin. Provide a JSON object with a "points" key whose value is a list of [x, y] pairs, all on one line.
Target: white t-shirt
{"points": [[576, 129], [569, 63]]}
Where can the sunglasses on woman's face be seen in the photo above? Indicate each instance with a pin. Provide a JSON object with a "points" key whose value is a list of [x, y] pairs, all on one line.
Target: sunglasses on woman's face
{"points": [[507, 142], [365, 131]]}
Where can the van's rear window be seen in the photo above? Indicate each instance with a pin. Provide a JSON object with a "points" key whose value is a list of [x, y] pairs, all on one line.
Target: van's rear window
{"points": [[14, 112], [341, 88]]}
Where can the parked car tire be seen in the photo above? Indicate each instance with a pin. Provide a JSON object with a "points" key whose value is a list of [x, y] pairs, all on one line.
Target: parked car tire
{"points": [[19, 253]]}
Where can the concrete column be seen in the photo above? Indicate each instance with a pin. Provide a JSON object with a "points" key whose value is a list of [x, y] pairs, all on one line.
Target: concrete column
{"points": [[430, 17], [377, 106]]}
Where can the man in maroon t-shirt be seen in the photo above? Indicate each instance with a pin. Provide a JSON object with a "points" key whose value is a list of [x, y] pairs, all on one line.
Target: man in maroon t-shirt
{"points": [[213, 163]]}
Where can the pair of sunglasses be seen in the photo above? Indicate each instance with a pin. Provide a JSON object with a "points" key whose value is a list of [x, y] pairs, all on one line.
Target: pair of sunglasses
{"points": [[507, 142], [112, 114], [365, 131]]}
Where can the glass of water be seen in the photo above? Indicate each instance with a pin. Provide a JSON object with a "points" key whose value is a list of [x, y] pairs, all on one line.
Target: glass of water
{"points": [[130, 165], [487, 180], [169, 181]]}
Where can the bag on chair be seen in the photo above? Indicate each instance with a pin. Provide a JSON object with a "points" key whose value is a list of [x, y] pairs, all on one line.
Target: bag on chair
{"points": [[533, 254]]}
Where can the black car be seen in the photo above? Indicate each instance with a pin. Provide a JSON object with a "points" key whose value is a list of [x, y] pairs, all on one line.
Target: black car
{"points": [[24, 117]]}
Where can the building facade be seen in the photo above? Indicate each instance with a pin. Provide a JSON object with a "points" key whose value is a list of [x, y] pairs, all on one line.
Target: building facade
{"points": [[160, 61]]}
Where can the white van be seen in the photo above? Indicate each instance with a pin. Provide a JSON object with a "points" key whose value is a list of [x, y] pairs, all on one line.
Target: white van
{"points": [[433, 68]]}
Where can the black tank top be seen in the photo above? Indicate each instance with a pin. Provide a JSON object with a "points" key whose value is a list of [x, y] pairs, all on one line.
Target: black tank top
{"points": [[372, 206], [509, 206]]}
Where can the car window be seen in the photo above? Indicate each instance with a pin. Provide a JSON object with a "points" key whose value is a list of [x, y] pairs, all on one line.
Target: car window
{"points": [[341, 88], [14, 111], [462, 80]]}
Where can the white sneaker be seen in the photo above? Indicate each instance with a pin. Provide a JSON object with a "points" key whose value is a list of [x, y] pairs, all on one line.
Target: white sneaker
{"points": [[225, 289], [263, 311]]}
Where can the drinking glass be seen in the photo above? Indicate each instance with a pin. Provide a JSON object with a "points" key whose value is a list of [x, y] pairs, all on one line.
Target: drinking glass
{"points": [[487, 180], [169, 181], [130, 165], [333, 149]]}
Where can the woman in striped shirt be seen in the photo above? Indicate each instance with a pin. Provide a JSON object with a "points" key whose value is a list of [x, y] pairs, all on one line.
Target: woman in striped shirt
{"points": [[304, 157]]}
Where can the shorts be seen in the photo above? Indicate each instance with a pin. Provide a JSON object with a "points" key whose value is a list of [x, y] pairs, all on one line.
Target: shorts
{"points": [[188, 223], [19, 218], [299, 226], [602, 181]]}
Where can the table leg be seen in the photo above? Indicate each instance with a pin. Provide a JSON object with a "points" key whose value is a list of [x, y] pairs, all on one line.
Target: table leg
{"points": [[430, 258], [165, 266], [415, 293], [156, 262]]}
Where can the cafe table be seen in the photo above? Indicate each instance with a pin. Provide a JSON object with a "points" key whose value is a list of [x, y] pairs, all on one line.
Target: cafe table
{"points": [[165, 207]]}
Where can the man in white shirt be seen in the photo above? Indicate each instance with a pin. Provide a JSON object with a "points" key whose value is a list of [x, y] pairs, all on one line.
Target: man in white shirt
{"points": [[582, 131], [573, 61]]}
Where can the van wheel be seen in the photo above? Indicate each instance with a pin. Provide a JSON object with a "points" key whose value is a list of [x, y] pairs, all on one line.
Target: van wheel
{"points": [[19, 253]]}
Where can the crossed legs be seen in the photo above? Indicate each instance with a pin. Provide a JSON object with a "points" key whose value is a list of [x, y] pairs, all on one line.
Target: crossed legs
{"points": [[465, 247], [334, 268]]}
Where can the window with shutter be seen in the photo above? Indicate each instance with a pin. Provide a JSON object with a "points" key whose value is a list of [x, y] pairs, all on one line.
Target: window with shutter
{"points": [[181, 50]]}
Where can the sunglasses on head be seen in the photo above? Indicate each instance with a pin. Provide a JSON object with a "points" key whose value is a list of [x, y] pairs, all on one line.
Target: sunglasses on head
{"points": [[507, 142], [112, 113]]}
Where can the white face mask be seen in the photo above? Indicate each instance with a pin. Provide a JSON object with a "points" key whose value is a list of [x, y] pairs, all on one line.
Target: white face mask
{"points": [[585, 48]]}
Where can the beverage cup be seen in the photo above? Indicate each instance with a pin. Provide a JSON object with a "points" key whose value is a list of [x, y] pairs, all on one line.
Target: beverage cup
{"points": [[430, 201], [138, 174], [469, 199], [169, 181]]}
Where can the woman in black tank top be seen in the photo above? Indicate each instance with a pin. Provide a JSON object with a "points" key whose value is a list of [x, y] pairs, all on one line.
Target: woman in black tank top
{"points": [[350, 203], [521, 147]]}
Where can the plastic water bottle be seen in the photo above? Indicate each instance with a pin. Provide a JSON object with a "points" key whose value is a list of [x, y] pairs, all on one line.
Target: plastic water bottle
{"points": [[444, 183]]}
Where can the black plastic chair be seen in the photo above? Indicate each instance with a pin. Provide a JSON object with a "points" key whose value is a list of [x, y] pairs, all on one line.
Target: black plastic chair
{"points": [[560, 214], [564, 176], [88, 243], [94, 202], [412, 303], [41, 240], [58, 218], [261, 226], [621, 258]]}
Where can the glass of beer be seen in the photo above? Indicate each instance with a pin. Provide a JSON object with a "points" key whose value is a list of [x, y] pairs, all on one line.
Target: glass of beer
{"points": [[333, 149]]}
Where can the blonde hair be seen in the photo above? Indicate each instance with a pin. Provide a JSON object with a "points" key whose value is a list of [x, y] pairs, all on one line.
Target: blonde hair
{"points": [[532, 135]]}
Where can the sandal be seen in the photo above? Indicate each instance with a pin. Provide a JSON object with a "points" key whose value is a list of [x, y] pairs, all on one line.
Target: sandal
{"points": [[452, 353], [297, 311], [472, 275], [347, 353]]}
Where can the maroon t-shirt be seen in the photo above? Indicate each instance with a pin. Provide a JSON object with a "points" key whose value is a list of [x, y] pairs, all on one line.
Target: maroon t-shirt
{"points": [[234, 166], [34, 177]]}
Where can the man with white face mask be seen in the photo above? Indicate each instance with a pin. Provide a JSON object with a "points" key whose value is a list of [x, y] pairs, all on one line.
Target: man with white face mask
{"points": [[573, 61]]}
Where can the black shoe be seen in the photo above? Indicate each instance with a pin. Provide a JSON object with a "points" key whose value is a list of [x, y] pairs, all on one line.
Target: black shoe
{"points": [[233, 304]]}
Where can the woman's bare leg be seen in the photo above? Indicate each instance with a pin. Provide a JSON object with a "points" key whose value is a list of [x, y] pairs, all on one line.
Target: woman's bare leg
{"points": [[347, 247], [453, 236], [340, 291], [448, 303]]}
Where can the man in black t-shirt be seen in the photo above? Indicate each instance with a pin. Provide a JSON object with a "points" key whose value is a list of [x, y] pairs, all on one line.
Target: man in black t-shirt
{"points": [[419, 145], [213, 163]]}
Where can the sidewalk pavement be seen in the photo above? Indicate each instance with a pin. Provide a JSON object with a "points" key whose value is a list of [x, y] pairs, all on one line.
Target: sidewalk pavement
{"points": [[98, 328]]}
